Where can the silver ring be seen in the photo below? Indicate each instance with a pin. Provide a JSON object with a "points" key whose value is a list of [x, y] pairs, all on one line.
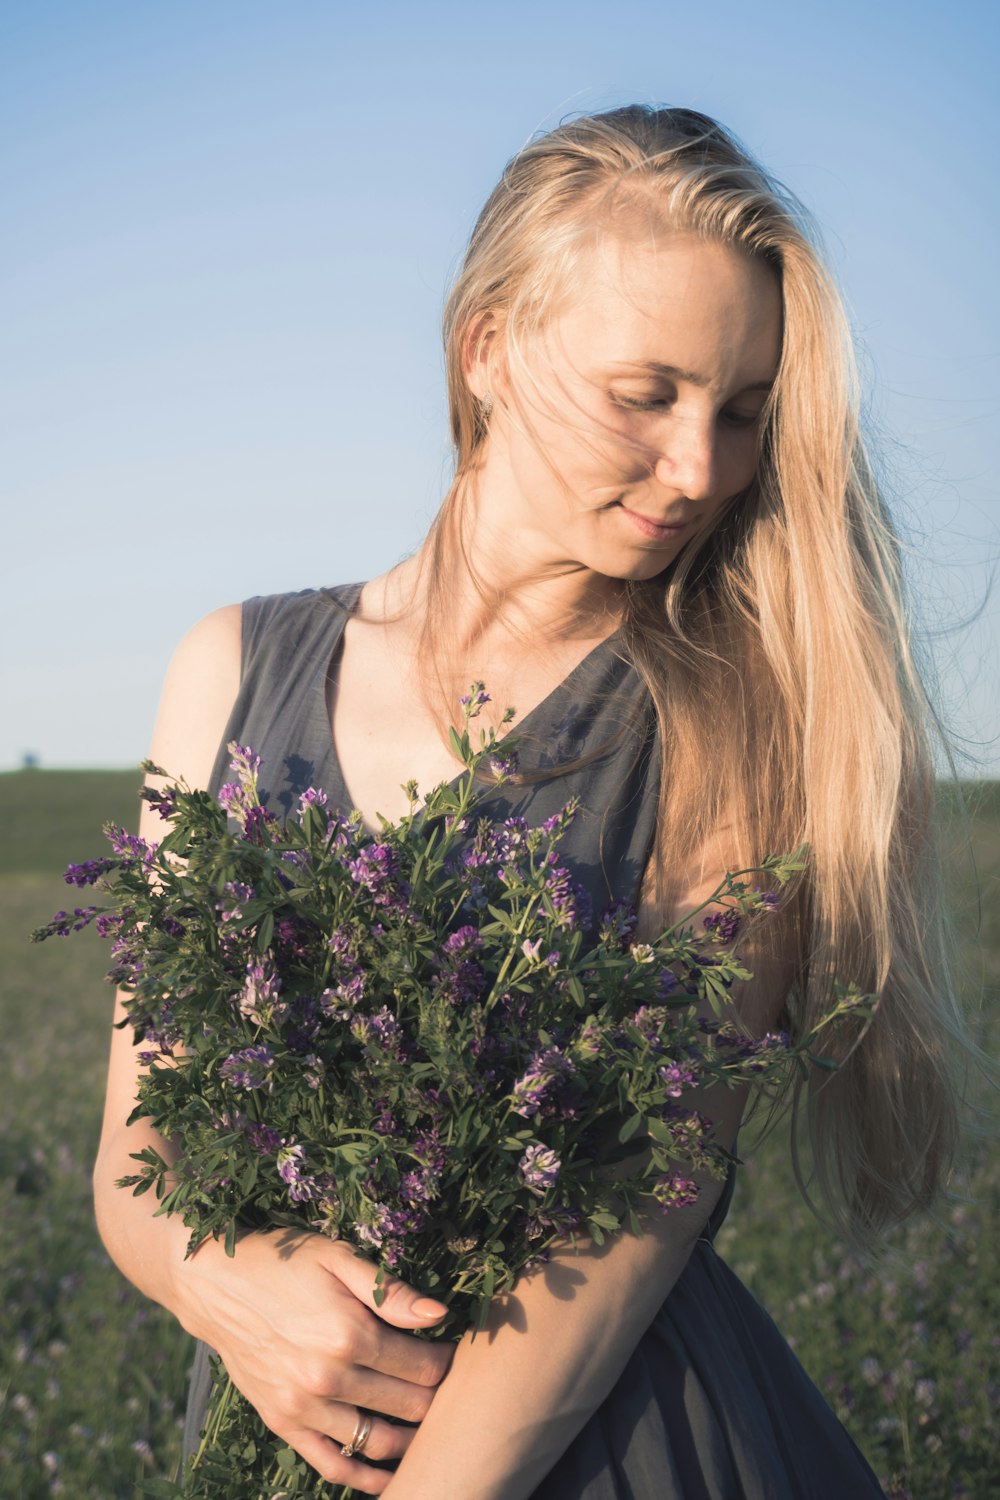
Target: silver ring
{"points": [[359, 1436]]}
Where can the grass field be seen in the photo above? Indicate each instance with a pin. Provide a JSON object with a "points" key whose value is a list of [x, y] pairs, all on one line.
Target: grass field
{"points": [[92, 1377]]}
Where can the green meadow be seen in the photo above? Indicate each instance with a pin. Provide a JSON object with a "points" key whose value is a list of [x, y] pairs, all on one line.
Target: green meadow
{"points": [[92, 1377]]}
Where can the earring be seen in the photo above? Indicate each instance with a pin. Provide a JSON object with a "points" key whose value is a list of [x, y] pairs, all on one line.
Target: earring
{"points": [[486, 406]]}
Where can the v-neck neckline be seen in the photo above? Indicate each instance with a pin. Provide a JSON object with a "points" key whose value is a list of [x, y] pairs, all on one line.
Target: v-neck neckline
{"points": [[346, 597]]}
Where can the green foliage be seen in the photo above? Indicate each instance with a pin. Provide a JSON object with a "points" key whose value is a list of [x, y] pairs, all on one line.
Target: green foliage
{"points": [[92, 1377]]}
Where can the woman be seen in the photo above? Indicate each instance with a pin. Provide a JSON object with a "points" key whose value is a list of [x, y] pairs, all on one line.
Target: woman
{"points": [[663, 545]]}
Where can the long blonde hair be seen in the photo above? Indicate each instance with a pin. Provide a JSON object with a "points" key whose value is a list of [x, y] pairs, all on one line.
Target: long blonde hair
{"points": [[776, 649]]}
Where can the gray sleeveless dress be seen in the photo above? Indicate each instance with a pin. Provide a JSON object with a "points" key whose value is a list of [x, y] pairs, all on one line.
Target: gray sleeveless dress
{"points": [[712, 1404]]}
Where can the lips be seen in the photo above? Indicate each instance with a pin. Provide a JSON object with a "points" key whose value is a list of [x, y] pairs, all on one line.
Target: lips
{"points": [[658, 531]]}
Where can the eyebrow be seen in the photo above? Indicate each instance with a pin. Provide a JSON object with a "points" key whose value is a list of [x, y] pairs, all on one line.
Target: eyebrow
{"points": [[690, 377]]}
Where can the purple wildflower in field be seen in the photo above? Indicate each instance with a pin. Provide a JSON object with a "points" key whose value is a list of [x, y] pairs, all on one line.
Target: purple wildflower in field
{"points": [[313, 797], [89, 872], [109, 922], [243, 761], [233, 798], [236, 894], [504, 763], [263, 1139], [677, 1078], [650, 1021], [259, 996], [569, 901], [666, 982], [382, 1029], [64, 922], [541, 1087], [254, 823], [462, 984], [617, 925], [130, 846], [165, 802], [250, 1068], [291, 1169], [464, 940], [343, 942], [474, 700], [340, 999], [723, 924], [539, 1168], [674, 1191], [374, 868]]}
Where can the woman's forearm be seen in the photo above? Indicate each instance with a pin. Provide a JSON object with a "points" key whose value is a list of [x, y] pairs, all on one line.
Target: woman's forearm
{"points": [[149, 1250], [517, 1395]]}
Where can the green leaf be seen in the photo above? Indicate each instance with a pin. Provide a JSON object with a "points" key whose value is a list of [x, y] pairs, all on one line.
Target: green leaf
{"points": [[265, 932], [630, 1128], [287, 1460]]}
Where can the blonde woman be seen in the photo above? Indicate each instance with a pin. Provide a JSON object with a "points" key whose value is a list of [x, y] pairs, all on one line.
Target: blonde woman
{"points": [[664, 546]]}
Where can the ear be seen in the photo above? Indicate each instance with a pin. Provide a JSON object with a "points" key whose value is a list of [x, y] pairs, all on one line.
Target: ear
{"points": [[482, 354]]}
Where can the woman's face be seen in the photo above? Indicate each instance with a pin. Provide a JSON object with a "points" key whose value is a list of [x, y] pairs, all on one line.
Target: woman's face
{"points": [[634, 416]]}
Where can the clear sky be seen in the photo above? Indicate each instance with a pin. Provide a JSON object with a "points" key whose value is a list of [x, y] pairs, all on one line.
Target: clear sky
{"points": [[226, 230]]}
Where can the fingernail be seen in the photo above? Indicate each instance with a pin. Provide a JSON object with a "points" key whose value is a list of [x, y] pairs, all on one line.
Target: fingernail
{"points": [[425, 1307]]}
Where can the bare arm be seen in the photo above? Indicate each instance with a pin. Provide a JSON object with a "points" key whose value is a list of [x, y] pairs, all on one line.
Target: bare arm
{"points": [[516, 1398], [292, 1315]]}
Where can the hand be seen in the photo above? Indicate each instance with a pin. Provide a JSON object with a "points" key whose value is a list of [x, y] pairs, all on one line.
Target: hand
{"points": [[294, 1319]]}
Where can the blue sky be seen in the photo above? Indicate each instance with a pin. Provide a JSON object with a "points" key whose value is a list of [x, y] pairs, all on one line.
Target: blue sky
{"points": [[226, 231]]}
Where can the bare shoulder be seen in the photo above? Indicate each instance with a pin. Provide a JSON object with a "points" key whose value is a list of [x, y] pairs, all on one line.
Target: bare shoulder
{"points": [[201, 685]]}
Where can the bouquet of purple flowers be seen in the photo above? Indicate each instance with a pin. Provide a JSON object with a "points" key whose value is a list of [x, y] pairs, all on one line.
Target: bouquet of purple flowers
{"points": [[415, 1041]]}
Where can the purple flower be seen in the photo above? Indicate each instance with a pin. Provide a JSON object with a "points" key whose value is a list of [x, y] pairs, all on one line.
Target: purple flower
{"points": [[248, 1069], [461, 984], [539, 1168], [542, 1086], [165, 802], [313, 797], [374, 868], [63, 923], [463, 940], [677, 1078], [382, 1029], [475, 699], [130, 846], [89, 872], [239, 894], [569, 902], [261, 988], [617, 924], [504, 763], [244, 762], [263, 1139], [724, 924], [674, 1191], [291, 1164], [233, 798]]}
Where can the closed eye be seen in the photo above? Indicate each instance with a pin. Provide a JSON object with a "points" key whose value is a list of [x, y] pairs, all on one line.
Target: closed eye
{"points": [[639, 403], [741, 418]]}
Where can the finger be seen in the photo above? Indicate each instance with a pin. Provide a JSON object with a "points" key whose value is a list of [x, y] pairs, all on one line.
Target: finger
{"points": [[400, 1304], [385, 1440], [376, 1392], [324, 1455]]}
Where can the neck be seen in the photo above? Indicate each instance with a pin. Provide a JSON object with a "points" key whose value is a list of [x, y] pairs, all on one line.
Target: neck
{"points": [[497, 583]]}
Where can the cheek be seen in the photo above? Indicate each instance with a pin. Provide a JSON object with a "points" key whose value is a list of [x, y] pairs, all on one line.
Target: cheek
{"points": [[739, 462]]}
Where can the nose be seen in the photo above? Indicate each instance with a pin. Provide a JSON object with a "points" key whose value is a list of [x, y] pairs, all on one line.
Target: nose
{"points": [[688, 459]]}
